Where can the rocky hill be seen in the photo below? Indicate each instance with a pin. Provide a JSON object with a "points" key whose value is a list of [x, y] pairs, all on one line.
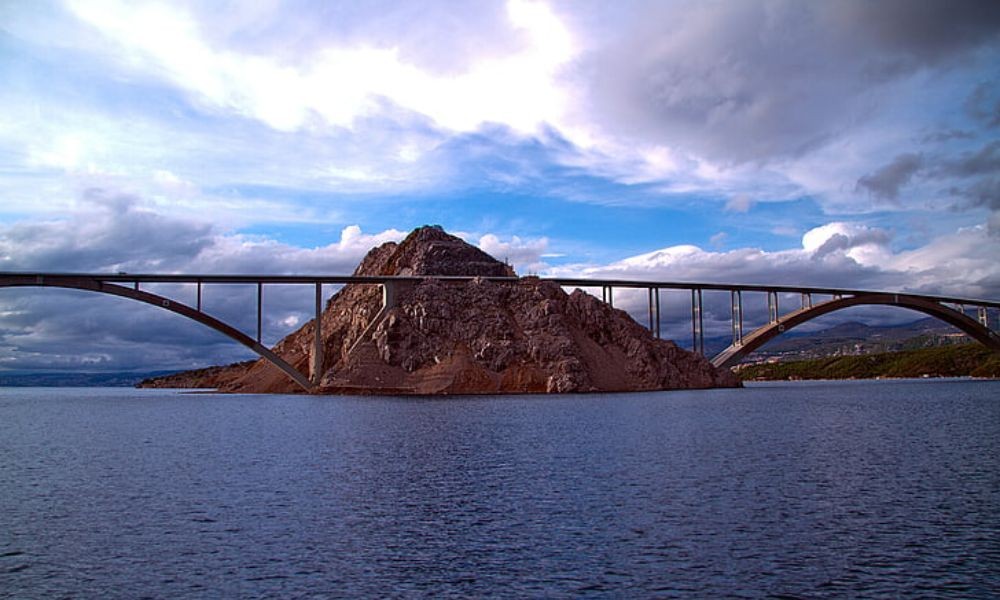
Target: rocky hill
{"points": [[478, 337]]}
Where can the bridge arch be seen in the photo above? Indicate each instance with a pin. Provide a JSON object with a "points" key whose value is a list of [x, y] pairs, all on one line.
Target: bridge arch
{"points": [[732, 355], [93, 285]]}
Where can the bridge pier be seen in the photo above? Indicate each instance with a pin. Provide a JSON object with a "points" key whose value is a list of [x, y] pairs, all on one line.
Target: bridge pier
{"points": [[390, 293], [316, 364], [260, 308], [659, 334], [736, 300], [607, 295], [651, 310], [654, 311], [697, 323], [772, 307]]}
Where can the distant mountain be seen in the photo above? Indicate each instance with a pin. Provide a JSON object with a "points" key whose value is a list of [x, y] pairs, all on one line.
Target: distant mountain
{"points": [[75, 378], [850, 338]]}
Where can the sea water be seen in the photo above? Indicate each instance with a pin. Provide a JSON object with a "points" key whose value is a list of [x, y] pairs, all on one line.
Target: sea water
{"points": [[850, 489]]}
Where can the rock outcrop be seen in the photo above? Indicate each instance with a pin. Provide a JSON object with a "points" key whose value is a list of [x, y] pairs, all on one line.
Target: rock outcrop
{"points": [[480, 337]]}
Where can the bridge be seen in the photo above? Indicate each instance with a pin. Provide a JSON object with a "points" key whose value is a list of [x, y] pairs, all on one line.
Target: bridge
{"points": [[970, 316]]}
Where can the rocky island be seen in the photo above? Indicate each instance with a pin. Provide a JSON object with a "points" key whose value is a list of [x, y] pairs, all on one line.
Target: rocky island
{"points": [[475, 337]]}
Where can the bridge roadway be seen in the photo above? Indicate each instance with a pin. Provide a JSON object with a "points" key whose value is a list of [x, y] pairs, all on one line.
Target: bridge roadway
{"points": [[949, 309]]}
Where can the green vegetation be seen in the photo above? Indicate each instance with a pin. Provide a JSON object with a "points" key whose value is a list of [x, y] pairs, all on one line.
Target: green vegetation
{"points": [[947, 361]]}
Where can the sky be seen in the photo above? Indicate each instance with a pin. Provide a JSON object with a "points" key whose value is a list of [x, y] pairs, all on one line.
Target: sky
{"points": [[843, 144]]}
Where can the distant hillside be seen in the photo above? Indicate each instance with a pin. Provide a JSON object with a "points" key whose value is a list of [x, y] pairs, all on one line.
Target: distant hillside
{"points": [[947, 361], [850, 338], [857, 338], [74, 379], [210, 377]]}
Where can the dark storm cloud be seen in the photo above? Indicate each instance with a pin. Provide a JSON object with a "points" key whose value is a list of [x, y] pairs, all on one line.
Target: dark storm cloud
{"points": [[923, 32], [978, 175], [985, 161], [840, 242], [754, 81], [886, 182], [115, 231], [984, 104], [947, 135], [65, 329], [983, 193], [111, 232]]}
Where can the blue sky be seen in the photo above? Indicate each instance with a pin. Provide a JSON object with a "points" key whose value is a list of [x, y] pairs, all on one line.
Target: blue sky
{"points": [[847, 143]]}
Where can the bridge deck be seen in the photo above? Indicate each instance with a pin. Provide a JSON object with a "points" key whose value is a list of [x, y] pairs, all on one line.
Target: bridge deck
{"points": [[32, 277]]}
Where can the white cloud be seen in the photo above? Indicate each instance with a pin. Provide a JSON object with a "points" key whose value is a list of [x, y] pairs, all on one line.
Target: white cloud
{"points": [[65, 153], [837, 255], [863, 244], [740, 203], [113, 231], [342, 83], [964, 260], [687, 99], [525, 254]]}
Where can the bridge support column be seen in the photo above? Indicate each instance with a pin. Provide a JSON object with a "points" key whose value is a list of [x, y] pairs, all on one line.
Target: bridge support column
{"points": [[697, 323], [260, 303], [650, 294], [390, 295], [772, 307], [656, 292], [736, 299], [608, 296], [317, 357], [807, 300]]}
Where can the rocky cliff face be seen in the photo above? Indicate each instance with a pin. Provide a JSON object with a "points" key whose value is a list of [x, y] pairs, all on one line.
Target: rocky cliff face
{"points": [[439, 337]]}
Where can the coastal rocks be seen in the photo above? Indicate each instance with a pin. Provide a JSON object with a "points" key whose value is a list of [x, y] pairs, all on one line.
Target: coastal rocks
{"points": [[443, 337]]}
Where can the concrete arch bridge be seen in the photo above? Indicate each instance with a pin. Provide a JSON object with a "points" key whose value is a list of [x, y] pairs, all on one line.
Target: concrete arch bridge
{"points": [[814, 302]]}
